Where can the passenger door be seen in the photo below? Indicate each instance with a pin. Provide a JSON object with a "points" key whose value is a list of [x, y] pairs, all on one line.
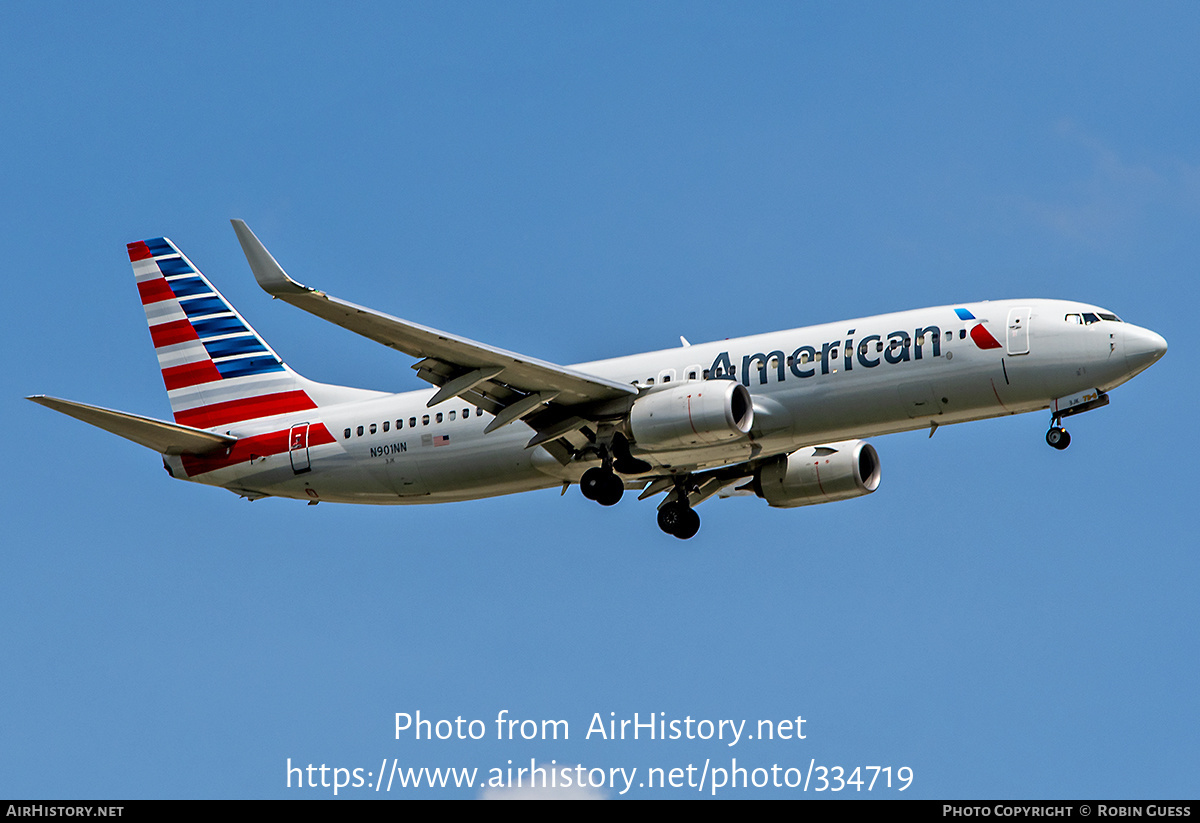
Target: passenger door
{"points": [[1018, 331], [298, 448]]}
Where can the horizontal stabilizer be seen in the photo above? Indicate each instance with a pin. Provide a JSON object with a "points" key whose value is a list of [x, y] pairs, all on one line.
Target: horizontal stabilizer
{"points": [[163, 437]]}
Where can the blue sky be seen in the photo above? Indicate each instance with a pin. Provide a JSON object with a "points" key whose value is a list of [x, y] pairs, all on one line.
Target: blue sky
{"points": [[579, 182]]}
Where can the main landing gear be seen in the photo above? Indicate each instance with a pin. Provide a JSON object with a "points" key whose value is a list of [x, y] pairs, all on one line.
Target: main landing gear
{"points": [[678, 519], [602, 485]]}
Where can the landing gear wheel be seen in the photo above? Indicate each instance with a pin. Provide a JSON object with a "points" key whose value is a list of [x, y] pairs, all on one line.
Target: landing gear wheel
{"points": [[669, 517], [602, 486], [689, 526], [678, 520], [611, 490], [592, 482], [1058, 438]]}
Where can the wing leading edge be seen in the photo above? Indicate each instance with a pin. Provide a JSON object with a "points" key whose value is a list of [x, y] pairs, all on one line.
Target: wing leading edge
{"points": [[553, 399]]}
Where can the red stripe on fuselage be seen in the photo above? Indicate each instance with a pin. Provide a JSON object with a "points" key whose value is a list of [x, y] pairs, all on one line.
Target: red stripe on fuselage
{"points": [[138, 251], [248, 448], [190, 374], [246, 408], [168, 334], [155, 291]]}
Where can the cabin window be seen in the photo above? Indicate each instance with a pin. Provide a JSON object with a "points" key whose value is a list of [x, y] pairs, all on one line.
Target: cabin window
{"points": [[466, 413], [399, 423], [649, 381], [359, 431], [691, 375], [347, 434], [706, 374], [373, 428], [386, 425], [412, 422], [452, 415], [439, 417], [424, 420], [666, 378]]}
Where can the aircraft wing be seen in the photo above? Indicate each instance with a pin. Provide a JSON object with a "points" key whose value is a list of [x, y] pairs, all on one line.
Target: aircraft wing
{"points": [[163, 437], [508, 385]]}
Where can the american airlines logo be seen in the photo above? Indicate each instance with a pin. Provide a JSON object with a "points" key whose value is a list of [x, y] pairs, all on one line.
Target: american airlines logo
{"points": [[871, 351]]}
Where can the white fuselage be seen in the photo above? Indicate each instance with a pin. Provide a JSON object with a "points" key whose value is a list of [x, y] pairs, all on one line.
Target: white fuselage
{"points": [[813, 385]]}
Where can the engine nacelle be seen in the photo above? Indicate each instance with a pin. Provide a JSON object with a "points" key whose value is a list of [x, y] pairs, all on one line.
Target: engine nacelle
{"points": [[819, 474], [696, 413]]}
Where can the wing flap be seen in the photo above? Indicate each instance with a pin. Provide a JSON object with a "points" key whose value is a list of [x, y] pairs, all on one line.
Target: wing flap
{"points": [[159, 435]]}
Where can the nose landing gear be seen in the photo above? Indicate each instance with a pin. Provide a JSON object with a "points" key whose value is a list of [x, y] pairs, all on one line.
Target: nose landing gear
{"points": [[1058, 437], [1078, 403]]}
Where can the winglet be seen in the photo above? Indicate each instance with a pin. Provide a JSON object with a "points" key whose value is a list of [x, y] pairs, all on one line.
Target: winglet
{"points": [[269, 274]]}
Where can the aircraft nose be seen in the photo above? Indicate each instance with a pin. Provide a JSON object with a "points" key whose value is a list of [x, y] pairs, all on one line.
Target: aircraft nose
{"points": [[1142, 348]]}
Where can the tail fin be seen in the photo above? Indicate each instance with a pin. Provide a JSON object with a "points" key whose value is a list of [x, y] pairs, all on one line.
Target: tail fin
{"points": [[216, 368]]}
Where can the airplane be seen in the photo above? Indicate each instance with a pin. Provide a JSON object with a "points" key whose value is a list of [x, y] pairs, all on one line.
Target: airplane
{"points": [[782, 415]]}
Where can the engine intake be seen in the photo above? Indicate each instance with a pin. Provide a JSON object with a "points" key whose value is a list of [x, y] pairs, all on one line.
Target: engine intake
{"points": [[707, 412], [819, 474]]}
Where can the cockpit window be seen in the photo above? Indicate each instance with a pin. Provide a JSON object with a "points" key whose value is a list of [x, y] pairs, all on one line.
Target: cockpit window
{"points": [[1088, 318]]}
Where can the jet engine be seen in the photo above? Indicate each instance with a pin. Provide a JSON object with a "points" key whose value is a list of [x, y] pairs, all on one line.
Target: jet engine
{"points": [[819, 474], [696, 413]]}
